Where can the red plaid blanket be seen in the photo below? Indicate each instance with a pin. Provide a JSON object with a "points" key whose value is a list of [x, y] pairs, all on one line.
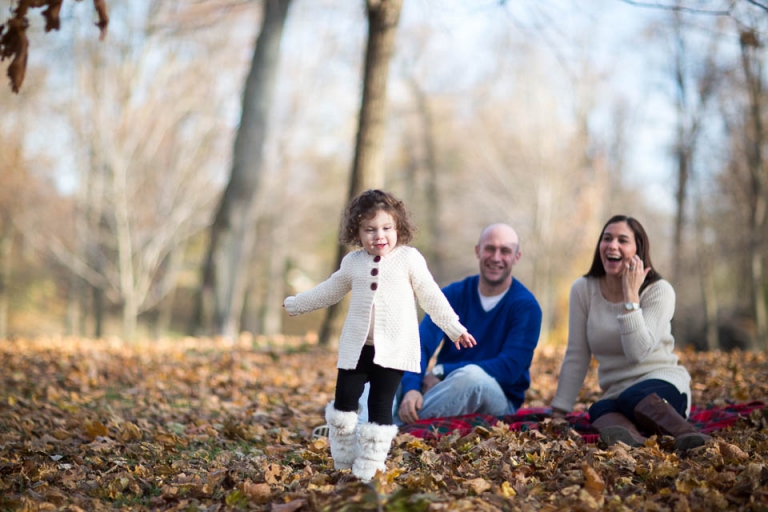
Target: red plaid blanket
{"points": [[706, 420]]}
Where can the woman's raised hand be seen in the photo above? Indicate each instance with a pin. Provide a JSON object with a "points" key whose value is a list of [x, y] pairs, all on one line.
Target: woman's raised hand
{"points": [[633, 277]]}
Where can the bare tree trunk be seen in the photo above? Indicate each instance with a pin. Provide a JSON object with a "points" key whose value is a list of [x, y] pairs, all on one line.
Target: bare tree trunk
{"points": [[751, 58], [547, 194], [690, 111], [711, 306], [704, 260], [367, 168], [758, 293], [94, 190], [165, 307], [125, 251], [98, 312], [434, 253], [6, 244], [232, 233], [74, 306], [272, 322], [683, 151]]}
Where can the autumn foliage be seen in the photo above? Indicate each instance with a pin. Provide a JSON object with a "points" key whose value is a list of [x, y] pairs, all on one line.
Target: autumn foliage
{"points": [[14, 43], [203, 424]]}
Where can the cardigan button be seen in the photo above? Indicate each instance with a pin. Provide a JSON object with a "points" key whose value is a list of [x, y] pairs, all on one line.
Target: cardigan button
{"points": [[374, 271], [376, 259], [374, 286]]}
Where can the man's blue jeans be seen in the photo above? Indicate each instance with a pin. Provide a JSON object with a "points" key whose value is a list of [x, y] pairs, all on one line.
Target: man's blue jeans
{"points": [[468, 390], [626, 402]]}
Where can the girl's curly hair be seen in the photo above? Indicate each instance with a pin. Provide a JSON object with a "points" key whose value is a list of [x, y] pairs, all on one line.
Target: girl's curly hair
{"points": [[365, 206]]}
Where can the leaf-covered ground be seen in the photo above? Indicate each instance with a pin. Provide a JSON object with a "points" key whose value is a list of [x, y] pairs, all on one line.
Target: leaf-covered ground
{"points": [[201, 424]]}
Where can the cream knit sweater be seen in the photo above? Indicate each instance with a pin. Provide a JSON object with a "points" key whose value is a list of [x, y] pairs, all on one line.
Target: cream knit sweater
{"points": [[629, 348], [389, 284]]}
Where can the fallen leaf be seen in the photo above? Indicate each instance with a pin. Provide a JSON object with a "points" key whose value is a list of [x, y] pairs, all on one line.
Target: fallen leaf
{"points": [[96, 429], [506, 490], [478, 485], [593, 483], [731, 452], [258, 493], [291, 506]]}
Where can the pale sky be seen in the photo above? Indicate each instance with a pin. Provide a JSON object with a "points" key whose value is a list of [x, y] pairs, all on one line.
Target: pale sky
{"points": [[610, 33]]}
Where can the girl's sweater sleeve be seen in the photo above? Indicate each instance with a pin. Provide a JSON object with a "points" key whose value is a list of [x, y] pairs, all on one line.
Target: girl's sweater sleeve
{"points": [[578, 354], [431, 298], [642, 330], [326, 294]]}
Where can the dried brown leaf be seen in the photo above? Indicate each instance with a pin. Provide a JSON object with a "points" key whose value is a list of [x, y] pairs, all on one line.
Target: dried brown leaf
{"points": [[14, 44], [96, 429], [101, 11], [664, 470], [593, 483], [291, 506], [731, 452], [478, 485], [258, 493], [166, 447], [273, 474], [51, 15]]}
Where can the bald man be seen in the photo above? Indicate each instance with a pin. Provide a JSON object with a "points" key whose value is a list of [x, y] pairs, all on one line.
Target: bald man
{"points": [[505, 319]]}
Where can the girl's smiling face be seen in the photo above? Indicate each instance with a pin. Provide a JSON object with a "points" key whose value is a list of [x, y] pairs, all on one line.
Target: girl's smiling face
{"points": [[617, 247], [378, 235]]}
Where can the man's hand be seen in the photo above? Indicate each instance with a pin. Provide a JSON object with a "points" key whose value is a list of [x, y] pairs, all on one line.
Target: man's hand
{"points": [[410, 406], [428, 383]]}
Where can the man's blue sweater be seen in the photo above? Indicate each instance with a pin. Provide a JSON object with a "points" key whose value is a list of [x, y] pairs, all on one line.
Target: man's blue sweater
{"points": [[506, 337]]}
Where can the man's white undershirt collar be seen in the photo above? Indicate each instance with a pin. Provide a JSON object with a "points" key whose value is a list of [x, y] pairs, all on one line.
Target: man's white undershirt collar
{"points": [[489, 303]]}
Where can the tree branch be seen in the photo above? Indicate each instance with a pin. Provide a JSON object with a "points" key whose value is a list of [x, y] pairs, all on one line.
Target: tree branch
{"points": [[758, 4], [682, 8], [53, 246]]}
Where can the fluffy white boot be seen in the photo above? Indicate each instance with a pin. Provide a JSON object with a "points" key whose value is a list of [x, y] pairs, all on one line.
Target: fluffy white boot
{"points": [[341, 434], [373, 442]]}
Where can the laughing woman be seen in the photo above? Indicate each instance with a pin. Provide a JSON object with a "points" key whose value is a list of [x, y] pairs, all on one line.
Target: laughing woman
{"points": [[621, 312]]}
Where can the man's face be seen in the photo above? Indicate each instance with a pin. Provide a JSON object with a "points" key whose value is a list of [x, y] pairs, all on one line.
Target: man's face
{"points": [[497, 253]]}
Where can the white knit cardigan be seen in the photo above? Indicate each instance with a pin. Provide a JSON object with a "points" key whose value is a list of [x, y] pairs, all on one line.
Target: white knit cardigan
{"points": [[389, 283], [629, 348]]}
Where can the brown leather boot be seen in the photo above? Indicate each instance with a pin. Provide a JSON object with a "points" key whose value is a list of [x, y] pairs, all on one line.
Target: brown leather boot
{"points": [[654, 414], [614, 427]]}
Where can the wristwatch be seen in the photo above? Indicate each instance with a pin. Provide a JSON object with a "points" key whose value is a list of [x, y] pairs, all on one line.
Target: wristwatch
{"points": [[438, 371], [631, 306]]}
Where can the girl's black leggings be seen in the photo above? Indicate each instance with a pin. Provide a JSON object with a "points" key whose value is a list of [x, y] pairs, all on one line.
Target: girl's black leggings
{"points": [[384, 384]]}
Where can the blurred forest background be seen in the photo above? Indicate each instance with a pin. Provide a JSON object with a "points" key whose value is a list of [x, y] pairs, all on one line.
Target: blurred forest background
{"points": [[124, 162]]}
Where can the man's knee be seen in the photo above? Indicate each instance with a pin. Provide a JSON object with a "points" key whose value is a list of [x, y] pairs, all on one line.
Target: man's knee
{"points": [[471, 374], [471, 379], [468, 390]]}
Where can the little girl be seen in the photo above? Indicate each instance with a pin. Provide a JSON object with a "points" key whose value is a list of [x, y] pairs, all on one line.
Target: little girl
{"points": [[380, 338]]}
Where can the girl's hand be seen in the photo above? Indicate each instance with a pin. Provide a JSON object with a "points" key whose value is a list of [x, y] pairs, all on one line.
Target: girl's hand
{"points": [[632, 279], [466, 340]]}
